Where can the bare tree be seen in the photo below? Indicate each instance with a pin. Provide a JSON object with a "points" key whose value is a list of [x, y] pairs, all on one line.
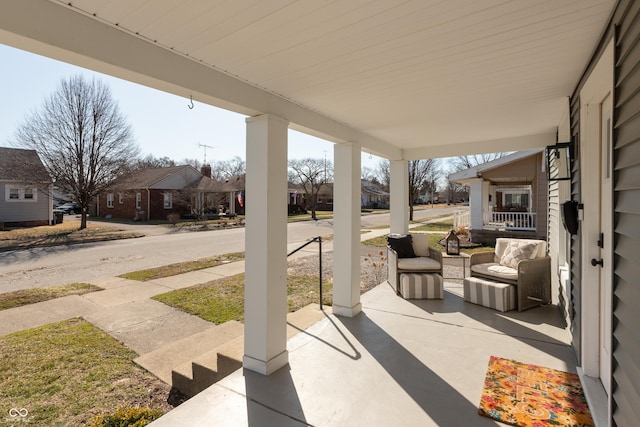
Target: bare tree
{"points": [[465, 162], [423, 174], [232, 168], [423, 177], [192, 162], [383, 172], [150, 161], [82, 138], [369, 174], [311, 174]]}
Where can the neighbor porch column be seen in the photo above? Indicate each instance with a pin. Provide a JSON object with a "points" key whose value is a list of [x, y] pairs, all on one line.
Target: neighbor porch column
{"points": [[399, 196], [346, 230], [265, 293], [476, 204]]}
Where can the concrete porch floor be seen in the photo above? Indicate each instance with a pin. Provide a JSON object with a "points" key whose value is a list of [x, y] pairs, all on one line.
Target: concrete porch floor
{"points": [[399, 363]]}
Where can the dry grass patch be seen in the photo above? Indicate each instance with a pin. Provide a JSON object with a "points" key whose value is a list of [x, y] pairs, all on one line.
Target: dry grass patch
{"points": [[31, 296], [183, 267], [66, 373], [434, 242], [60, 234]]}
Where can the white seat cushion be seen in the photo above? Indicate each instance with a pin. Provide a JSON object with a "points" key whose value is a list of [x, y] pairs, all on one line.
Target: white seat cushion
{"points": [[495, 270], [418, 264]]}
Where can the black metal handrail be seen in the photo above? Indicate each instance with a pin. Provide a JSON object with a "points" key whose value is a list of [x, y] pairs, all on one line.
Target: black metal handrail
{"points": [[319, 240]]}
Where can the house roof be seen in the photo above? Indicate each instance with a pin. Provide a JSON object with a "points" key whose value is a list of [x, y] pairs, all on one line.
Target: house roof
{"points": [[22, 165], [463, 176], [405, 80], [146, 178], [208, 185]]}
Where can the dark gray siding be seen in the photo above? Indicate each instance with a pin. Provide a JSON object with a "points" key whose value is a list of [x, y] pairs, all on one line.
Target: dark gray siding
{"points": [[626, 275], [574, 305]]}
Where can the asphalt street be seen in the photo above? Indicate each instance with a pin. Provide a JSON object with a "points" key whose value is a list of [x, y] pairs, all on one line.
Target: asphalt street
{"points": [[39, 267]]}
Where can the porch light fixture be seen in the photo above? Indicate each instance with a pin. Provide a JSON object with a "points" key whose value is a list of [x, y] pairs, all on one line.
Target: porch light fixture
{"points": [[559, 161], [452, 243]]}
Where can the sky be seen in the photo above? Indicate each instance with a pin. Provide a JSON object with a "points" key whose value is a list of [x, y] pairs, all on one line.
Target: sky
{"points": [[162, 123]]}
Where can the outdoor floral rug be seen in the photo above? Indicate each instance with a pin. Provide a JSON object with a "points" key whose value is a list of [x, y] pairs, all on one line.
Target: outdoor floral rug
{"points": [[528, 395]]}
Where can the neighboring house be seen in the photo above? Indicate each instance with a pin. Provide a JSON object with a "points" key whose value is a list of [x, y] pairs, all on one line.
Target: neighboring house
{"points": [[507, 197], [373, 195], [154, 193], [298, 201], [25, 189]]}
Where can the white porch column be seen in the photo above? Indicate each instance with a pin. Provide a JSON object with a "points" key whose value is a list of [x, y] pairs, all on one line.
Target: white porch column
{"points": [[346, 230], [265, 294], [476, 205], [399, 196], [232, 202]]}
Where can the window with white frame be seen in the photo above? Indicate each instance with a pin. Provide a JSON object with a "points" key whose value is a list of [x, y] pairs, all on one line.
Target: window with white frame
{"points": [[168, 200], [120, 198], [138, 200], [110, 200], [16, 193]]}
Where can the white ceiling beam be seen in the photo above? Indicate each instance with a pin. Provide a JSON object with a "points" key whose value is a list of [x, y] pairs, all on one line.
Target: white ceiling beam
{"points": [[519, 143]]}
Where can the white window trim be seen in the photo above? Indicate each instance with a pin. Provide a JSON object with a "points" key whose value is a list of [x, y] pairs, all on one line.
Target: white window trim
{"points": [[120, 198], [168, 200], [110, 200], [138, 200], [21, 194]]}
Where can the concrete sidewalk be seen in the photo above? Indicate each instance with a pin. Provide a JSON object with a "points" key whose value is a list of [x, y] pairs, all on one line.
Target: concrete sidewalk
{"points": [[125, 310]]}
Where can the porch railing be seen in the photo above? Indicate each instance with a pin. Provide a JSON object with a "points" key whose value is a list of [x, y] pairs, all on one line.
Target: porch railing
{"points": [[461, 219], [319, 240], [510, 220]]}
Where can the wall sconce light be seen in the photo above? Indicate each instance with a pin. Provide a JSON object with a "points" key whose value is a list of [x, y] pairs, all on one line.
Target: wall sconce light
{"points": [[559, 161]]}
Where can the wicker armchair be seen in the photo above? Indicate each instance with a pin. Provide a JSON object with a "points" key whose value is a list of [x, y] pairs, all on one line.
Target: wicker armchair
{"points": [[532, 277], [427, 260]]}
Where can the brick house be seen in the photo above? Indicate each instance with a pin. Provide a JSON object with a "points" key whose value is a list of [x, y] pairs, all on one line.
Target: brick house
{"points": [[152, 193]]}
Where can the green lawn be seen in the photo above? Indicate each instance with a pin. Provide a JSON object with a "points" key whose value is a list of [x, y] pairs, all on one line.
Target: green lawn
{"points": [[223, 299], [66, 373], [183, 267]]}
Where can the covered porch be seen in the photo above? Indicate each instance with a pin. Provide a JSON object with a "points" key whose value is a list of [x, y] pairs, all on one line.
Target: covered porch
{"points": [[404, 81], [400, 362]]}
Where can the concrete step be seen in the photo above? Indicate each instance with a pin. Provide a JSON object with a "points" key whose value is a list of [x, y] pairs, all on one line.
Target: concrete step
{"points": [[162, 361], [208, 368]]}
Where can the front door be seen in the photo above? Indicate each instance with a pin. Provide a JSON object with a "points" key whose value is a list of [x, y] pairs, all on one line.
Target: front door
{"points": [[605, 243]]}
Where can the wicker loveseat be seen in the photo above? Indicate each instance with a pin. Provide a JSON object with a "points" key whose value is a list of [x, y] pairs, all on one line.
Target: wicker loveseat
{"points": [[523, 263], [422, 259]]}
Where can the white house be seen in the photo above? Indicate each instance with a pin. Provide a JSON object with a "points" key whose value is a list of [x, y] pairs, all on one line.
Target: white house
{"points": [[25, 189]]}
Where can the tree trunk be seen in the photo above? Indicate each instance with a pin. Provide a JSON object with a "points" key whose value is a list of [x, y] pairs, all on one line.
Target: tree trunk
{"points": [[410, 211], [83, 220]]}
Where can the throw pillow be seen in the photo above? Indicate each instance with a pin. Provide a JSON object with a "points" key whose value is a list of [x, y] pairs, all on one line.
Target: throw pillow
{"points": [[420, 244], [403, 245], [517, 251]]}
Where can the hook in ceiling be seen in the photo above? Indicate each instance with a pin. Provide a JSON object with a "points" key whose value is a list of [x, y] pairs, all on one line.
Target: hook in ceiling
{"points": [[190, 105]]}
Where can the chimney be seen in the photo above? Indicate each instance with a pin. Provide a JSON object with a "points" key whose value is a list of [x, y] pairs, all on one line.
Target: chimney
{"points": [[206, 170]]}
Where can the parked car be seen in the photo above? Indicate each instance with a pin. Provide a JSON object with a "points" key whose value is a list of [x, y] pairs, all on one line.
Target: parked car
{"points": [[69, 208]]}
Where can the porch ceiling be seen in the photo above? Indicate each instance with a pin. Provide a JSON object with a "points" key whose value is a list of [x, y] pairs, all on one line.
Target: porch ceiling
{"points": [[407, 79]]}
